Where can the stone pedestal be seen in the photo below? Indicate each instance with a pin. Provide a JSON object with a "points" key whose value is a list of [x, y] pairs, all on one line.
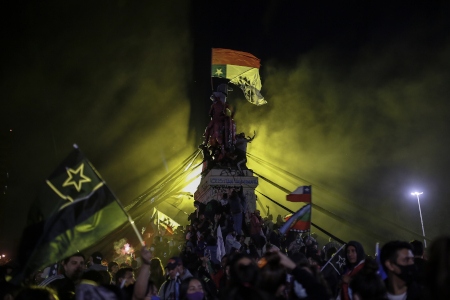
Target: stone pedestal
{"points": [[219, 181]]}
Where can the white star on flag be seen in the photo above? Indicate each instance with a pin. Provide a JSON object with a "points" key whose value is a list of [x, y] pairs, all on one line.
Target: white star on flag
{"points": [[219, 72], [341, 261]]}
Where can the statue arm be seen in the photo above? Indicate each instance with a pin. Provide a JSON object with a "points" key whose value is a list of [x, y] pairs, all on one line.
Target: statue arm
{"points": [[250, 139]]}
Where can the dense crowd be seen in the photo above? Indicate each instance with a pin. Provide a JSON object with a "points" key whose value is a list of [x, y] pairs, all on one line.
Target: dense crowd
{"points": [[228, 253]]}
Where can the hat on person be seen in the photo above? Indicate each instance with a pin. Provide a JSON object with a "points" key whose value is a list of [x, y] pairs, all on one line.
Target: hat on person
{"points": [[97, 257], [173, 263]]}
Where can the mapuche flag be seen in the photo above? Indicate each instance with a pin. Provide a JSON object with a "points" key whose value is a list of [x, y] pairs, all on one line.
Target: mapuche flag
{"points": [[74, 210], [242, 69], [300, 221], [301, 194]]}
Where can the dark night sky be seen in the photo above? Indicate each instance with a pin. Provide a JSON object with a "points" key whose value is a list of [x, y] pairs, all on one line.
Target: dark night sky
{"points": [[357, 101]]}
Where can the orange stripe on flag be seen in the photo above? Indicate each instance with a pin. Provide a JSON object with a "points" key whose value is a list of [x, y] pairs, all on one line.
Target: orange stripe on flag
{"points": [[232, 57]]}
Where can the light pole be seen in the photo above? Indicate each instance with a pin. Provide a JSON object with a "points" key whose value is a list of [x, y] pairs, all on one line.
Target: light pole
{"points": [[420, 212]]}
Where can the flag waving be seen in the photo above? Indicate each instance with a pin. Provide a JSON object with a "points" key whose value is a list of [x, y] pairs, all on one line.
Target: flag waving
{"points": [[242, 69], [336, 263], [74, 210], [220, 245], [300, 221], [301, 194]]}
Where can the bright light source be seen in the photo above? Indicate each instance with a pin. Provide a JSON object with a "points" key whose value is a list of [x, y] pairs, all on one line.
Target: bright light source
{"points": [[192, 186], [416, 193]]}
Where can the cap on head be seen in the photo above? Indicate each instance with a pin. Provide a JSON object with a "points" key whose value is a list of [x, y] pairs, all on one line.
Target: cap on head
{"points": [[173, 263], [97, 257]]}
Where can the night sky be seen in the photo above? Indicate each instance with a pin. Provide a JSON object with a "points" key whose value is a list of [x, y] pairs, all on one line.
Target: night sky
{"points": [[357, 107]]}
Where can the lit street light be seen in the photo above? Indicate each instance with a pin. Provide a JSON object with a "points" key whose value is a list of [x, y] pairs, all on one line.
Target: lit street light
{"points": [[420, 212]]}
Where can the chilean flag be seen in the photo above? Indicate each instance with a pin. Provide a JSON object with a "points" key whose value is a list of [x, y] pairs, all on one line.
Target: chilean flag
{"points": [[301, 194]]}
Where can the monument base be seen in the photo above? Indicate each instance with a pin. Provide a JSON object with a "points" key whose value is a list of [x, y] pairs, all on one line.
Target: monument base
{"points": [[219, 181]]}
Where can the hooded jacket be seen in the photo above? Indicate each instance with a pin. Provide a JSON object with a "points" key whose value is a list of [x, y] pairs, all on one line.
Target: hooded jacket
{"points": [[352, 269], [360, 254]]}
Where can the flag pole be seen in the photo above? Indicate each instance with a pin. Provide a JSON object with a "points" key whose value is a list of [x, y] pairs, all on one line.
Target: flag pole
{"points": [[332, 258], [138, 234], [212, 86], [310, 213]]}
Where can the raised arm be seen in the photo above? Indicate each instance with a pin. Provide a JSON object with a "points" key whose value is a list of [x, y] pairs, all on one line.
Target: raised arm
{"points": [[140, 287]]}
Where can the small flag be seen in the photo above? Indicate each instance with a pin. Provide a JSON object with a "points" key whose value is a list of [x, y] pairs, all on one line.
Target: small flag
{"points": [[220, 245], [74, 210], [381, 271], [242, 69], [336, 263], [303, 215], [301, 194]]}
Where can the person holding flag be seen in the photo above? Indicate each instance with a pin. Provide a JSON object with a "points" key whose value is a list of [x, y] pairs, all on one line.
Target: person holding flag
{"points": [[355, 258], [242, 69], [239, 68], [218, 130]]}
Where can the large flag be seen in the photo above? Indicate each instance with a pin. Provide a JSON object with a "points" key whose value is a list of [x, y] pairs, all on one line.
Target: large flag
{"points": [[300, 221], [242, 69], [74, 210], [301, 194], [336, 263]]}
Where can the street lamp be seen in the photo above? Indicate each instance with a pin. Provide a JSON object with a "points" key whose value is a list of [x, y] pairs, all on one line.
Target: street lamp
{"points": [[420, 212]]}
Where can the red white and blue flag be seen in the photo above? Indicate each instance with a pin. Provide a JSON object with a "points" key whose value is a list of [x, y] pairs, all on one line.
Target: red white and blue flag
{"points": [[301, 194]]}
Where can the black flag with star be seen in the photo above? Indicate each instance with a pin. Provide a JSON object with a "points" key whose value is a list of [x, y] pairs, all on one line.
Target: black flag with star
{"points": [[336, 263], [73, 211]]}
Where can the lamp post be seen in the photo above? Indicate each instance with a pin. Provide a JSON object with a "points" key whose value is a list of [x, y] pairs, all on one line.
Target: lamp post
{"points": [[420, 212]]}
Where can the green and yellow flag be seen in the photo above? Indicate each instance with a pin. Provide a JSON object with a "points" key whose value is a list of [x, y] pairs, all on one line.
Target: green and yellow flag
{"points": [[242, 69], [74, 210]]}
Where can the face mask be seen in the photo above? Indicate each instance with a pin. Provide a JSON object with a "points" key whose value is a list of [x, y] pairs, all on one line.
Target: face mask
{"points": [[408, 273], [195, 296]]}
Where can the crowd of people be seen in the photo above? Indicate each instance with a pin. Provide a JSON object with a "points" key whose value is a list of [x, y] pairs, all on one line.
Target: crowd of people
{"points": [[227, 253]]}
